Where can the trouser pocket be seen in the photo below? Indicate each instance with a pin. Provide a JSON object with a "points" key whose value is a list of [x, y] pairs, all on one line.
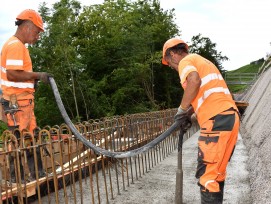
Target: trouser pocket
{"points": [[207, 147], [207, 153]]}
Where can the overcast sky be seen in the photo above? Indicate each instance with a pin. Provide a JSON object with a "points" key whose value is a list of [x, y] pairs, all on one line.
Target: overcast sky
{"points": [[240, 28]]}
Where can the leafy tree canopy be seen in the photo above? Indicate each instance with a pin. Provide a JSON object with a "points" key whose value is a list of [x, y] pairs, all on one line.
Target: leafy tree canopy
{"points": [[106, 59]]}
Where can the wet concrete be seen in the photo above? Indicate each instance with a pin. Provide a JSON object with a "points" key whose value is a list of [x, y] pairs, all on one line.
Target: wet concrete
{"points": [[158, 186]]}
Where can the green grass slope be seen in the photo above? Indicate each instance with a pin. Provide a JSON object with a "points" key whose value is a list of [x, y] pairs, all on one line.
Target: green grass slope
{"points": [[253, 67]]}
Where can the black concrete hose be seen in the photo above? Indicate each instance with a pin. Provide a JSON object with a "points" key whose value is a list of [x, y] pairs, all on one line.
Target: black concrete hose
{"points": [[98, 150]]}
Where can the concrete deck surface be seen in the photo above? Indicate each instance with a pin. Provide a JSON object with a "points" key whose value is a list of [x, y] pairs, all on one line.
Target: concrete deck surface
{"points": [[158, 186]]}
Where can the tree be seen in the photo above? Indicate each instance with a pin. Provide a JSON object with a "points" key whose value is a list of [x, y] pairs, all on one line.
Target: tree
{"points": [[206, 48], [56, 53], [106, 59], [123, 51]]}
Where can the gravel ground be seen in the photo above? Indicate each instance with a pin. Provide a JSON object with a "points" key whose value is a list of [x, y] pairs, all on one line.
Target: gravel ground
{"points": [[256, 131]]}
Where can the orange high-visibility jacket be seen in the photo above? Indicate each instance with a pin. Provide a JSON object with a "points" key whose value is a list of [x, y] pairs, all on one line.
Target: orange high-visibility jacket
{"points": [[15, 56], [214, 96]]}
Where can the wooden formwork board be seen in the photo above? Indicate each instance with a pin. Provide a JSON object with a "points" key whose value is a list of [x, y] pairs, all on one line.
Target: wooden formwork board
{"points": [[241, 105]]}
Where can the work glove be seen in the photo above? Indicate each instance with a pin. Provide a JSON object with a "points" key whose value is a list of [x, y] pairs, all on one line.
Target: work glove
{"points": [[183, 116], [184, 113], [44, 77]]}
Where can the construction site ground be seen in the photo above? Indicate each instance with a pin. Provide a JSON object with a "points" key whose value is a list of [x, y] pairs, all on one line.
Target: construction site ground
{"points": [[158, 186]]}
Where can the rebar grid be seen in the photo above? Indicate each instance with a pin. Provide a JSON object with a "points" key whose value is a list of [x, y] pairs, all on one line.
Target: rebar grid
{"points": [[74, 173]]}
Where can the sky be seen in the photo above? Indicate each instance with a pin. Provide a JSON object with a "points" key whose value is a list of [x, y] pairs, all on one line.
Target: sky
{"points": [[240, 28]]}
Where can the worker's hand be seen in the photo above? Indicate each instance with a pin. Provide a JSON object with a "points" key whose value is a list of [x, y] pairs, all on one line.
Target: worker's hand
{"points": [[44, 77], [184, 113], [183, 116]]}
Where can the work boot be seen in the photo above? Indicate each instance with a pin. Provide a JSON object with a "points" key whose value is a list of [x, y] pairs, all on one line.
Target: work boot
{"points": [[211, 197], [221, 187]]}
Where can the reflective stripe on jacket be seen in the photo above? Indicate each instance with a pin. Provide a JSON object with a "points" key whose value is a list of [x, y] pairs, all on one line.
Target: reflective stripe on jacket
{"points": [[214, 96], [15, 56]]}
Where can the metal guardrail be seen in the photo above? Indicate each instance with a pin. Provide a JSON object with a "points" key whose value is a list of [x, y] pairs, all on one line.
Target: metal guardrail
{"points": [[240, 78], [74, 173]]}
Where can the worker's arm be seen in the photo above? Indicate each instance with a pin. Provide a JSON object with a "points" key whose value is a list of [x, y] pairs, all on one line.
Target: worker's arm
{"points": [[20, 75], [191, 90]]}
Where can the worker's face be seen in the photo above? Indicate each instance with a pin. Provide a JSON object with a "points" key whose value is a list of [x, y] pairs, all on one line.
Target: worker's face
{"points": [[33, 33], [172, 61]]}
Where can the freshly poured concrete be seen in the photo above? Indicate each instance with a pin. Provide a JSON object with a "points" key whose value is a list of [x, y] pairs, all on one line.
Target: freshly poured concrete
{"points": [[158, 186]]}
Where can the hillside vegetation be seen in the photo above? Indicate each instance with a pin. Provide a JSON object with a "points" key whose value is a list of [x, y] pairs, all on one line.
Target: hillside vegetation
{"points": [[253, 67]]}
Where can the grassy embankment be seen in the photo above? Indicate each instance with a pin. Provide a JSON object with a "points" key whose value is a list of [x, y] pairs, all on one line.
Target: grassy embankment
{"points": [[242, 71]]}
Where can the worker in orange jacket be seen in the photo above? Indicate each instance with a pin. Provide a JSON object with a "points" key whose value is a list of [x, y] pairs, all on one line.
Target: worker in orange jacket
{"points": [[17, 76], [206, 91]]}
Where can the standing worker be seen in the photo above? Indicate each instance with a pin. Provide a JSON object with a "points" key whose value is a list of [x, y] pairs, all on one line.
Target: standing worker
{"points": [[18, 78], [215, 110]]}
